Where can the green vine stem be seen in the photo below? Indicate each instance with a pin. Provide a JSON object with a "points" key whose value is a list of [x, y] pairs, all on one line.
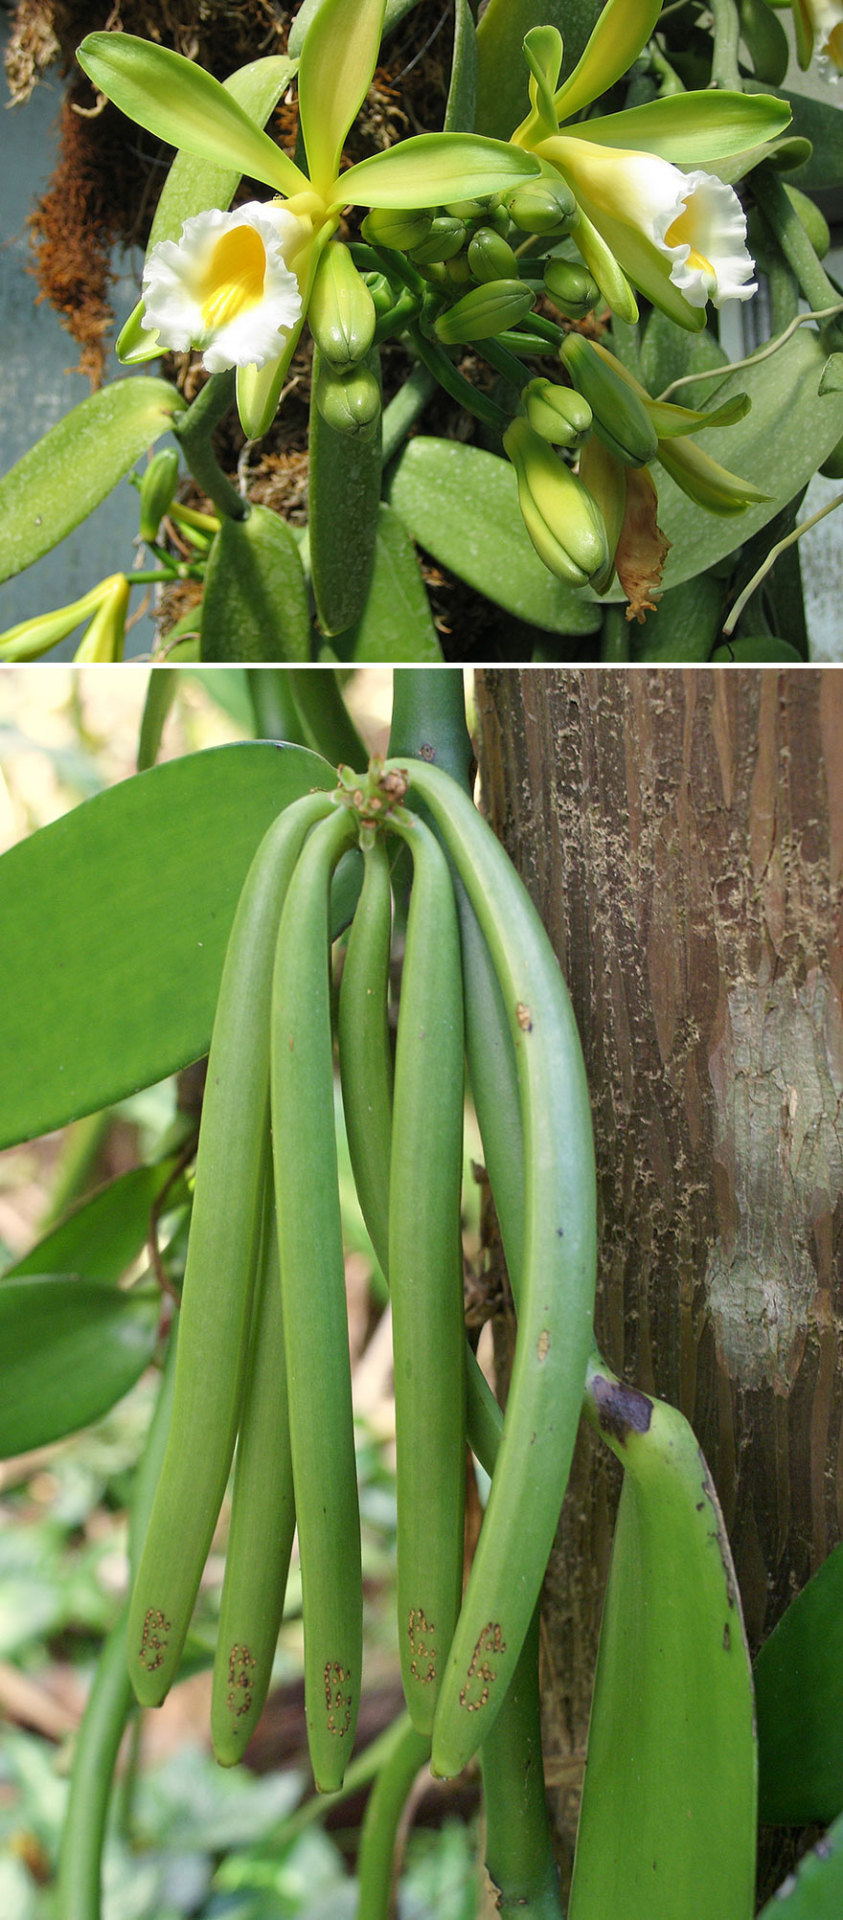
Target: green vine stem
{"points": [[403, 411], [194, 429], [789, 235], [323, 716], [376, 1863], [727, 32], [274, 706]]}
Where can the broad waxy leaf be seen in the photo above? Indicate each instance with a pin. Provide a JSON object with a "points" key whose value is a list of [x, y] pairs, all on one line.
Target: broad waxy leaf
{"points": [[103, 1235], [181, 104], [432, 168], [799, 1697], [255, 605], [815, 1890], [396, 623], [338, 59], [462, 505], [778, 446], [71, 1350], [113, 925], [76, 463]]}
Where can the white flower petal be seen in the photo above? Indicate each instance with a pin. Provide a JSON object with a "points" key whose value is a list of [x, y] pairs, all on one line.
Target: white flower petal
{"points": [[226, 286]]}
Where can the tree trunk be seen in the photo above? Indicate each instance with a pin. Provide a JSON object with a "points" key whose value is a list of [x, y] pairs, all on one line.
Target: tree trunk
{"points": [[681, 833]]}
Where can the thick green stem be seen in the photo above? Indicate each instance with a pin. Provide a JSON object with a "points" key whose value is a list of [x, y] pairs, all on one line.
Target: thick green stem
{"points": [[727, 33], [614, 646], [428, 719], [384, 1808], [194, 429], [324, 717], [789, 234], [273, 705], [403, 411]]}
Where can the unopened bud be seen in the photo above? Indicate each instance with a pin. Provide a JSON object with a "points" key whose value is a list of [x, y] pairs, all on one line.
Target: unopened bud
{"points": [[490, 257], [341, 311], [349, 402], [542, 206], [388, 227], [571, 288], [561, 518], [559, 414], [620, 417], [484, 312], [445, 239], [157, 488]]}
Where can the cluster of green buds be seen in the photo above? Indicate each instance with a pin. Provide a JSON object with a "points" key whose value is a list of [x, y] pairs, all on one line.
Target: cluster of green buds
{"points": [[342, 321]]}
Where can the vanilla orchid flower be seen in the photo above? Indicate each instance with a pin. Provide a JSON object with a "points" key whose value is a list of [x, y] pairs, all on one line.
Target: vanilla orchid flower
{"points": [[225, 284], [649, 217], [660, 223], [819, 30]]}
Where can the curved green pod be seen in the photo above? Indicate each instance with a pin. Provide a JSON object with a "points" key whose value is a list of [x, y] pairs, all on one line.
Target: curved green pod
{"points": [[425, 1279], [556, 1292], [263, 1520], [314, 1305], [365, 1052], [669, 1815], [216, 1297]]}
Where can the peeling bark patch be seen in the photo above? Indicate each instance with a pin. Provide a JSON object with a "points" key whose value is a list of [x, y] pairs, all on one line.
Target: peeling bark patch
{"points": [[777, 1076], [621, 1410]]}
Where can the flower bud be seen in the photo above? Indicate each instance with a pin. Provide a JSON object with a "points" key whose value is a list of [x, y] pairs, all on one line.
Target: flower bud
{"points": [[349, 402], [542, 206], [571, 288], [388, 227], [490, 257], [157, 488], [558, 414], [620, 418], [341, 311], [483, 312], [561, 518], [445, 239]]}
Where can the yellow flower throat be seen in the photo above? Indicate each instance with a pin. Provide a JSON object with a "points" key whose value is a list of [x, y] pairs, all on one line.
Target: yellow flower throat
{"points": [[680, 234], [233, 279]]}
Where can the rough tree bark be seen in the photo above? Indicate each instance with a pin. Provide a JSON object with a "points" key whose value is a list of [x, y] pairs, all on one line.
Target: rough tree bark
{"points": [[682, 835]]}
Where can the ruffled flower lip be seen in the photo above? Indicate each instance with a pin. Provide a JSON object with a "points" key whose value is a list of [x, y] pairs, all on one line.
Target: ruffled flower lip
{"points": [[704, 236], [226, 287]]}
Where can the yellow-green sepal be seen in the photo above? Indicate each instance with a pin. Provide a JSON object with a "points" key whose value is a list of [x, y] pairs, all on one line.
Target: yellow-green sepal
{"points": [[135, 343], [338, 59], [623, 28], [431, 169], [180, 103], [705, 481], [603, 267], [692, 129]]}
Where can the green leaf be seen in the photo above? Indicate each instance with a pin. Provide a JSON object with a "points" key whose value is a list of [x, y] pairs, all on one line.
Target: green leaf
{"points": [[799, 1702], [255, 605], [344, 490], [181, 104], [72, 468], [686, 623], [765, 650], [338, 59], [71, 1350], [780, 444], [819, 122], [815, 1891], [766, 41], [433, 168], [103, 1235], [113, 926], [831, 378], [691, 128], [462, 93], [462, 505], [396, 623], [668, 354]]}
